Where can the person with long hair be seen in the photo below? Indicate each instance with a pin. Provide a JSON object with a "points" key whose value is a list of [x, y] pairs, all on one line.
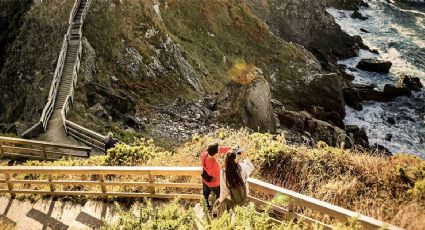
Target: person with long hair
{"points": [[211, 171], [234, 180]]}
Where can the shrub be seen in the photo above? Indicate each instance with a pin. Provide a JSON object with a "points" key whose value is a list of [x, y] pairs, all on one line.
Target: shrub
{"points": [[174, 216], [169, 216], [141, 151]]}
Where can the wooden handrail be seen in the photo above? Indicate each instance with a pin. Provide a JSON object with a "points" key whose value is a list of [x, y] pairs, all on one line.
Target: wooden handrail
{"points": [[82, 133], [40, 149], [150, 173]]}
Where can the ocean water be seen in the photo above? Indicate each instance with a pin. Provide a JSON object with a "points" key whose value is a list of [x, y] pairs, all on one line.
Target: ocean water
{"points": [[398, 33]]}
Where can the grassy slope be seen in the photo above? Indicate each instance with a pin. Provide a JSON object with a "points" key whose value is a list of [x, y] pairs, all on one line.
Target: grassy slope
{"points": [[33, 53], [213, 36], [219, 34]]}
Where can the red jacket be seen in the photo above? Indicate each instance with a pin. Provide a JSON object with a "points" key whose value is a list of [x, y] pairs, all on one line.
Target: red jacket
{"points": [[212, 167]]}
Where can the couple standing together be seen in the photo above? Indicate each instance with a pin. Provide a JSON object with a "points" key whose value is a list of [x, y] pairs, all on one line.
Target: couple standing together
{"points": [[230, 185]]}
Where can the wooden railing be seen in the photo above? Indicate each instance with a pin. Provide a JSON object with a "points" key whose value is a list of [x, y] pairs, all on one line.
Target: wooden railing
{"points": [[21, 148], [84, 135], [151, 182], [78, 132], [48, 109]]}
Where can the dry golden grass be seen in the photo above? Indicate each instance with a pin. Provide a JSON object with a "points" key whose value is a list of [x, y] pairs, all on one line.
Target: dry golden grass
{"points": [[367, 184]]}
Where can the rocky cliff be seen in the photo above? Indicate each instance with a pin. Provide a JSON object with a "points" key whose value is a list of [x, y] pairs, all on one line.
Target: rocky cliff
{"points": [[307, 23], [139, 56]]}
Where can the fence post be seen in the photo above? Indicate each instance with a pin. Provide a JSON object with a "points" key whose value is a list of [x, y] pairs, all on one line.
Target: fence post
{"points": [[51, 185], [151, 181], [291, 209], [1, 148], [44, 151], [102, 185], [9, 185]]}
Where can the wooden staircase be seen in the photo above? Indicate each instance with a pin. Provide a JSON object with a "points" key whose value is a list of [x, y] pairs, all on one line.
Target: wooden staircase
{"points": [[66, 83]]}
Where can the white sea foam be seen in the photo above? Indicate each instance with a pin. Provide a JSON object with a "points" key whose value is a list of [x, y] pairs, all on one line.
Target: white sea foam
{"points": [[399, 36]]}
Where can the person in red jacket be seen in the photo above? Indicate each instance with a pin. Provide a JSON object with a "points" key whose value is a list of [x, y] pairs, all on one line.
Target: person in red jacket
{"points": [[211, 171]]}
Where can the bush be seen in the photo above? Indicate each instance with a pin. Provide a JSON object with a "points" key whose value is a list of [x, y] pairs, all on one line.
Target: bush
{"points": [[169, 216], [174, 216], [139, 152]]}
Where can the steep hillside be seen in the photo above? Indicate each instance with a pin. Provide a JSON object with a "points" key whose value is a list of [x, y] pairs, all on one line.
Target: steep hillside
{"points": [[33, 43], [139, 54]]}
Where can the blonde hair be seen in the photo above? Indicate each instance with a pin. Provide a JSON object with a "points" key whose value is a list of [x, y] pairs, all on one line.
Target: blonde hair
{"points": [[110, 135]]}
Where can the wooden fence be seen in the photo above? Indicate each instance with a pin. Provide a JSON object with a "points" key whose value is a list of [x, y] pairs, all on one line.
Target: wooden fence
{"points": [[105, 181], [21, 148]]}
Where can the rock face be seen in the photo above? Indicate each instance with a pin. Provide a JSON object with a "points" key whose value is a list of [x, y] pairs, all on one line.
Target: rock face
{"points": [[374, 65], [391, 91], [321, 95], [307, 23], [250, 104]]}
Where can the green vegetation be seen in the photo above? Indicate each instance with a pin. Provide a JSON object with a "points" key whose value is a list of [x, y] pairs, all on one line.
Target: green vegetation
{"points": [[390, 188], [174, 216]]}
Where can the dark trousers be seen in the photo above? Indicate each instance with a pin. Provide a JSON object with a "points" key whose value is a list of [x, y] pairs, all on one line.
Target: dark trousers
{"points": [[207, 191]]}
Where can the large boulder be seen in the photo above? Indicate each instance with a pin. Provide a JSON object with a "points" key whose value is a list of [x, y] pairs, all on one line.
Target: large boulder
{"points": [[248, 104], [391, 91], [355, 94], [258, 109], [412, 83], [375, 65], [353, 98]]}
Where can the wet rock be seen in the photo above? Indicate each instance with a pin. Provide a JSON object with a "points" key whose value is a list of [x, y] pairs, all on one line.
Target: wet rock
{"points": [[391, 121], [352, 98], [364, 30], [412, 83], [354, 94], [374, 65], [357, 15], [391, 91]]}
